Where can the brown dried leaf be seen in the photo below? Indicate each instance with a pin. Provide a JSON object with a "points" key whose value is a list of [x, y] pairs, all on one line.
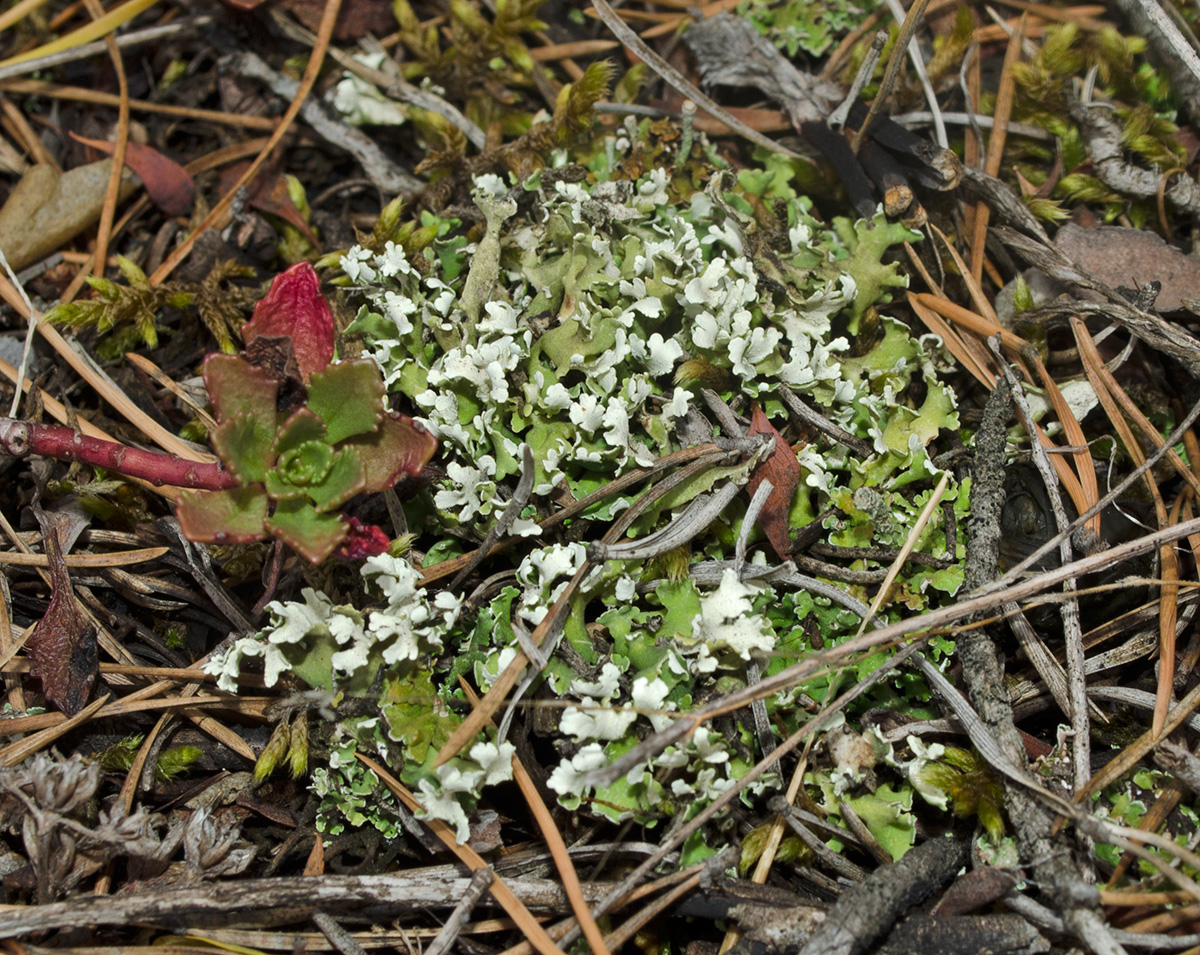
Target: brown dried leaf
{"points": [[168, 184], [1133, 257], [355, 19], [783, 470], [62, 647]]}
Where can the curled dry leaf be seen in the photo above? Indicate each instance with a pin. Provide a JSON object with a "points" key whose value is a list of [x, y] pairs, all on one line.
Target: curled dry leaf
{"points": [[168, 184], [62, 646], [783, 471]]}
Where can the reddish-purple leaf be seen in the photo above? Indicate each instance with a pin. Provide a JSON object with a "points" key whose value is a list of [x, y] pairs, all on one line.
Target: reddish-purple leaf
{"points": [[294, 308], [783, 471], [167, 183], [62, 647]]}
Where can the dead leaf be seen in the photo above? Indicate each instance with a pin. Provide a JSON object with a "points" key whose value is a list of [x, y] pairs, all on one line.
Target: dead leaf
{"points": [[167, 183], [783, 470], [269, 194], [1132, 257], [62, 646], [355, 19]]}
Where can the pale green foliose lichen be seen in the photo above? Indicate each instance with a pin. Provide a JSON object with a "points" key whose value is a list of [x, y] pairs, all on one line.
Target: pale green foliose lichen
{"points": [[582, 325]]}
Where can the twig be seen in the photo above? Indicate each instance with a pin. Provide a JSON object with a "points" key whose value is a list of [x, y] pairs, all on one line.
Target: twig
{"points": [[246, 898], [914, 54], [907, 31], [813, 417], [387, 176], [391, 82], [338, 937], [1104, 145], [837, 119], [1072, 631], [22, 438], [836, 862], [864, 912], [124, 41], [699, 514], [481, 880]]}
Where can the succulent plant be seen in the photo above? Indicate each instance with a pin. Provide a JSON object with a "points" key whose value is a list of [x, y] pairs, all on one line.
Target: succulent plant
{"points": [[301, 434]]}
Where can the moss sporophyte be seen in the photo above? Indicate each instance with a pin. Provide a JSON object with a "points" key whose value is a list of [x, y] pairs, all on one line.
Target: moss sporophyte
{"points": [[582, 323]]}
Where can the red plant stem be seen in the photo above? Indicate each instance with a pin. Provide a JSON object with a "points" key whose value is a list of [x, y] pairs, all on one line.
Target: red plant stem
{"points": [[22, 438]]}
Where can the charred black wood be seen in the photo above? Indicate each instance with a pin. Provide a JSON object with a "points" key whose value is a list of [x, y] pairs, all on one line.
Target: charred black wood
{"points": [[837, 152], [888, 177]]}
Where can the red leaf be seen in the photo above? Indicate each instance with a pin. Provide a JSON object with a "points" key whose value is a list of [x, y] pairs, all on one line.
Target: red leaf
{"points": [[363, 540], [783, 470], [269, 194], [62, 647], [167, 183], [294, 308]]}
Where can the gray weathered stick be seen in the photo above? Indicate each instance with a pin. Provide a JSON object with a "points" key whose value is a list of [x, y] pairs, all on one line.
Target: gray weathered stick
{"points": [[480, 880]]}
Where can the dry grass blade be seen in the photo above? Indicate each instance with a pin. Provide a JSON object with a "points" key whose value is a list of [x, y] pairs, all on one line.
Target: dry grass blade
{"points": [[86, 34], [22, 749], [481, 714], [1073, 432], [117, 559], [562, 51], [19, 11], [970, 320], [910, 542], [137, 702], [1104, 385], [472, 860], [967, 351], [112, 193], [995, 152], [144, 364], [98, 98], [104, 386], [558, 848]]}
